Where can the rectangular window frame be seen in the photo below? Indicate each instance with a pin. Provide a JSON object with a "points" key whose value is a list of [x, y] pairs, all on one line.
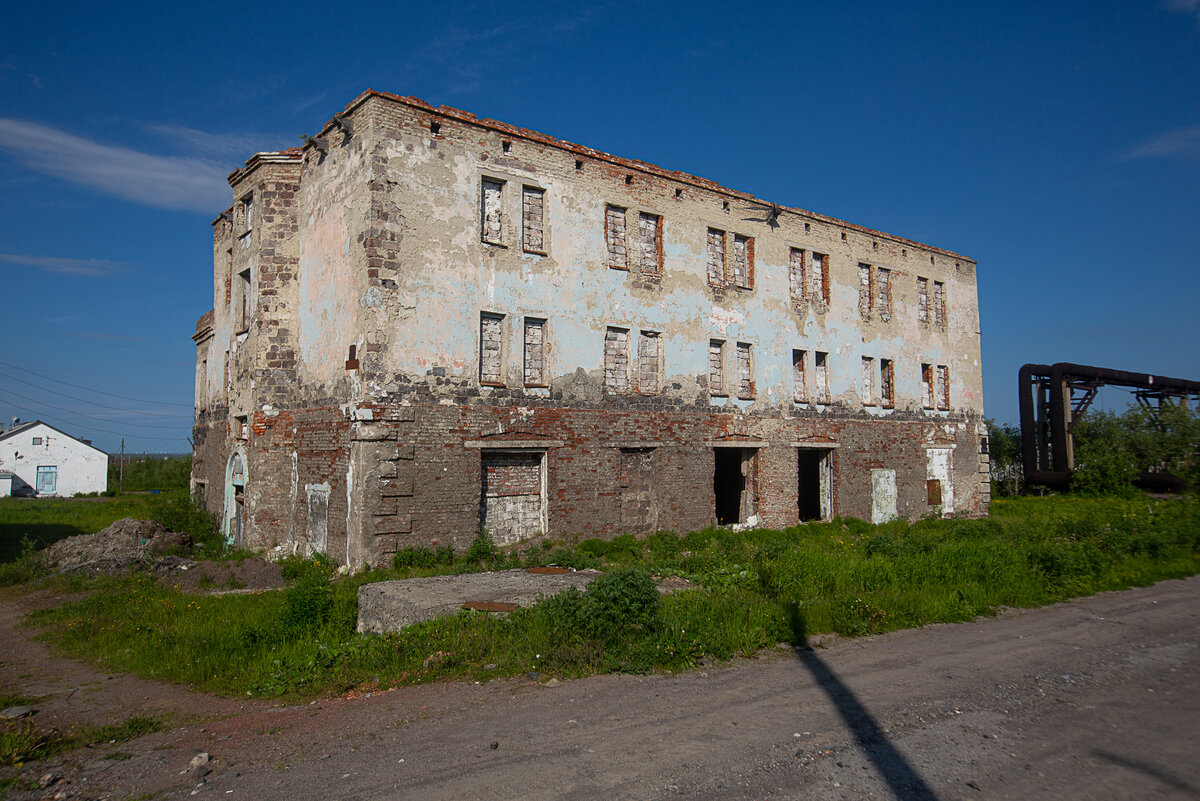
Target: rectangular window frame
{"points": [[922, 299], [534, 352], [864, 290], [927, 394], [715, 257], [942, 387], [616, 236], [650, 365], [533, 220], [868, 381], [743, 262], [244, 296], [716, 368], [797, 277], [882, 284], [491, 344], [744, 357], [819, 291], [887, 383], [939, 304], [799, 376], [650, 248], [616, 363], [821, 376], [491, 214]]}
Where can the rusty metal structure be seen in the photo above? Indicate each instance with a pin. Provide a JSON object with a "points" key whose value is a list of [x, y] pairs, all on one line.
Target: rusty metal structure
{"points": [[1054, 397]]}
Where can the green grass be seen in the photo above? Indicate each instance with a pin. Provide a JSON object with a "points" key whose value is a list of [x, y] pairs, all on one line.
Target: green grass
{"points": [[751, 590], [47, 520], [21, 741]]}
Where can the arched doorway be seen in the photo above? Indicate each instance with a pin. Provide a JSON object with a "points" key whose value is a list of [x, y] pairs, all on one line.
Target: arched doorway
{"points": [[235, 501]]}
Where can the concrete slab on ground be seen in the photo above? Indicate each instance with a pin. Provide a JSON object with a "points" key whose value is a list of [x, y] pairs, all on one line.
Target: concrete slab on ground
{"points": [[386, 606]]}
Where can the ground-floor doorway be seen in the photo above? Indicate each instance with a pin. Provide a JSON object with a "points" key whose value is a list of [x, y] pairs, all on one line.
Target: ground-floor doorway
{"points": [[512, 495], [814, 485], [733, 485]]}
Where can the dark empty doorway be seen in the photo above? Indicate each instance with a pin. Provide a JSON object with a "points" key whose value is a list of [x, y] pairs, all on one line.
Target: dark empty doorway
{"points": [[733, 484], [813, 495]]}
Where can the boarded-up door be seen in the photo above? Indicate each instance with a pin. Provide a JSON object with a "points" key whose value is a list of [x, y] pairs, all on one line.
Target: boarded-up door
{"points": [[638, 513], [938, 469], [883, 495], [512, 495]]}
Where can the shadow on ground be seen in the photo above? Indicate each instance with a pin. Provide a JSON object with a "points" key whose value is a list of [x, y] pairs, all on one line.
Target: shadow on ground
{"points": [[901, 777]]}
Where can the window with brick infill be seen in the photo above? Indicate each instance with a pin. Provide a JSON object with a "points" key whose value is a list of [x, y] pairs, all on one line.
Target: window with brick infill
{"points": [[491, 214], [716, 367], [745, 369], [922, 299], [716, 257], [649, 362], [821, 375], [533, 219], [799, 377], [942, 387], [491, 349], [796, 277], [939, 304], [650, 243], [868, 381], [927, 394], [819, 288], [743, 261], [864, 290], [887, 383], [535, 352], [616, 361], [614, 237]]}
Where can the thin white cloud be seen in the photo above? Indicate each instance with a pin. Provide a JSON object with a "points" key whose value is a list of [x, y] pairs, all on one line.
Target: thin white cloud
{"points": [[234, 148], [1185, 7], [1180, 142], [57, 264], [165, 182]]}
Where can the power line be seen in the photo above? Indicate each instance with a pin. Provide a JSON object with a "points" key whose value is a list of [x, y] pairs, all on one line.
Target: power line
{"points": [[97, 391], [69, 424], [82, 414], [85, 400]]}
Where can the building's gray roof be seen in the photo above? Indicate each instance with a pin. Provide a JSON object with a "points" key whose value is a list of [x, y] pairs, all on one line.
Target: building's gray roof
{"points": [[17, 429]]}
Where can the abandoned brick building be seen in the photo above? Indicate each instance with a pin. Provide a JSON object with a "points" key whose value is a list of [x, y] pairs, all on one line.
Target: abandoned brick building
{"points": [[425, 323]]}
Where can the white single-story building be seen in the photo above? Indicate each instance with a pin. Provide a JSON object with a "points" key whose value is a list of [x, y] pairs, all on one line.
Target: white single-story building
{"points": [[41, 460]]}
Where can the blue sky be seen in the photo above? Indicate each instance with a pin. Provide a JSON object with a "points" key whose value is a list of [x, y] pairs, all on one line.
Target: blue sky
{"points": [[1058, 144]]}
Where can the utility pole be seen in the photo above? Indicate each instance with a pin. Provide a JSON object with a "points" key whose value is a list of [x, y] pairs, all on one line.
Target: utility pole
{"points": [[121, 474]]}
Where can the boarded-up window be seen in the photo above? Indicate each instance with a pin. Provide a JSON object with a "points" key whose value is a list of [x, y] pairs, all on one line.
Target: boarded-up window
{"points": [[491, 348], [799, 378], [887, 383], [649, 362], [716, 367], [942, 387], [650, 242], [819, 290], [922, 300], [535, 352], [616, 361], [927, 386], [821, 369], [492, 211], [614, 236], [883, 287], [745, 368], [796, 276], [939, 304], [868, 381], [743, 261], [533, 219], [716, 257], [864, 290]]}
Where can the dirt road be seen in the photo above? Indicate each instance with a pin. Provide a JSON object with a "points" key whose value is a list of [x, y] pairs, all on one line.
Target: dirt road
{"points": [[1097, 699]]}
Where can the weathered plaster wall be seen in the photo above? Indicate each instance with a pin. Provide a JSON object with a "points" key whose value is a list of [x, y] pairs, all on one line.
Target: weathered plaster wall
{"points": [[360, 375]]}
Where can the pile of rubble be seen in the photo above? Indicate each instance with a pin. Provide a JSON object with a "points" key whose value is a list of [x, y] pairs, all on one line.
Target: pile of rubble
{"points": [[126, 544]]}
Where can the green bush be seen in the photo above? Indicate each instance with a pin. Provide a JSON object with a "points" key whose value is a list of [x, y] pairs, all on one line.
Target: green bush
{"points": [[26, 567], [580, 560], [417, 556], [482, 549], [309, 603], [184, 516]]}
